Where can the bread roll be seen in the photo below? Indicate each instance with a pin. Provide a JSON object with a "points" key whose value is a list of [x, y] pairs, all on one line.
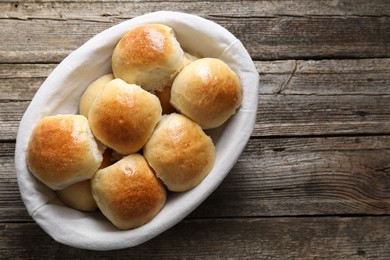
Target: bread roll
{"points": [[164, 96], [91, 93], [123, 116], [78, 196], [149, 56], [63, 151], [128, 192], [180, 152], [207, 91]]}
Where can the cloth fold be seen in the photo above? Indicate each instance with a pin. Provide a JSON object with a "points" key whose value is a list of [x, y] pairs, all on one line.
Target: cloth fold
{"points": [[60, 94]]}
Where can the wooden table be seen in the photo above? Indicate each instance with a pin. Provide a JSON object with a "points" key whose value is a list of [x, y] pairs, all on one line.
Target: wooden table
{"points": [[314, 179]]}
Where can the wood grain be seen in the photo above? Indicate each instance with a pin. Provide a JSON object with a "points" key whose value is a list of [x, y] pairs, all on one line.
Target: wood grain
{"points": [[277, 177], [261, 238], [296, 97], [265, 38], [109, 9], [325, 77], [289, 77], [314, 179], [306, 176], [322, 115]]}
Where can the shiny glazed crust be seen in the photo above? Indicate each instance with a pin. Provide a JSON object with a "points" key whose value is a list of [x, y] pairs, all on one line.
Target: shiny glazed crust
{"points": [[180, 152], [63, 151], [92, 92], [149, 56], [123, 116], [128, 192], [207, 91], [79, 195]]}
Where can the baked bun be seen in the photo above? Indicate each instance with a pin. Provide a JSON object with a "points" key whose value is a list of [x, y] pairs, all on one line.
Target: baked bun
{"points": [[164, 96], [91, 93], [63, 151], [128, 192], [180, 152], [149, 56], [123, 116], [207, 91], [78, 196]]}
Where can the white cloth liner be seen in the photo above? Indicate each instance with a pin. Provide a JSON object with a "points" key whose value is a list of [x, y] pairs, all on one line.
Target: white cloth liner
{"points": [[60, 94]]}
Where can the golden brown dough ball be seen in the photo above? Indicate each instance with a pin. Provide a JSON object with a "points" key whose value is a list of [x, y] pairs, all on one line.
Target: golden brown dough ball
{"points": [[123, 116], [128, 192], [63, 151], [91, 92], [78, 196], [149, 56], [180, 152], [207, 91]]}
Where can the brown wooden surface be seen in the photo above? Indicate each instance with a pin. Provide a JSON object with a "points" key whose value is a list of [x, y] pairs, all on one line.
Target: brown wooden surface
{"points": [[314, 179]]}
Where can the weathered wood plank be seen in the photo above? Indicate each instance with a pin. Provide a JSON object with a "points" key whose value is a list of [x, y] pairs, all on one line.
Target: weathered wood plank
{"points": [[306, 176], [20, 82], [328, 82], [101, 10], [48, 40], [12, 208], [281, 115], [296, 97], [297, 77], [277, 177], [10, 115], [260, 238], [325, 77], [318, 115], [262, 208]]}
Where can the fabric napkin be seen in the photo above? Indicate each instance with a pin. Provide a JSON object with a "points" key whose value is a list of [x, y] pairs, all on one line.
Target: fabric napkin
{"points": [[60, 94]]}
